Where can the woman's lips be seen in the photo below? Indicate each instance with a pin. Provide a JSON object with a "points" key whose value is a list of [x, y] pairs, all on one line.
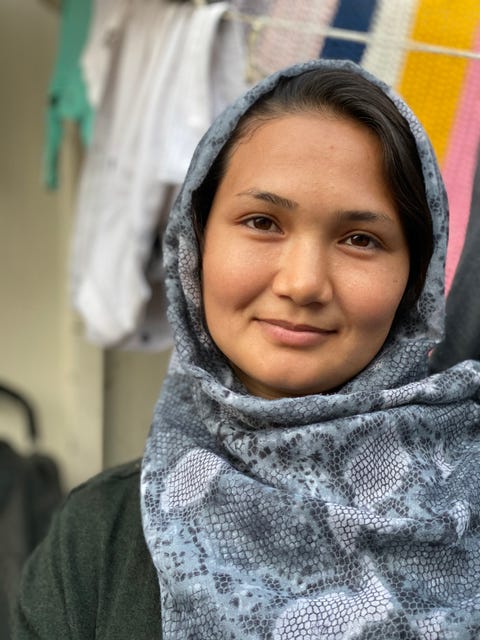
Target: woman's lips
{"points": [[298, 335]]}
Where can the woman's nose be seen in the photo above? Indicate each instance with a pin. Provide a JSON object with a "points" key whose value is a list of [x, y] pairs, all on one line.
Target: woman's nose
{"points": [[303, 274]]}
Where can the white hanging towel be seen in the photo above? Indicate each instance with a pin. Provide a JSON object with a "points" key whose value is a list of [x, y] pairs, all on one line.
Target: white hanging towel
{"points": [[106, 27], [156, 103]]}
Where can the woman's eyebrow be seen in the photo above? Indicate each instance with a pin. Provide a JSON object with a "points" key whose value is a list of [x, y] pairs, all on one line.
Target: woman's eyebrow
{"points": [[364, 216], [269, 196], [343, 216]]}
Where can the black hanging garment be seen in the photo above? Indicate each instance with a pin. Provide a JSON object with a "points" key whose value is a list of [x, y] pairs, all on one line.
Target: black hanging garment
{"points": [[30, 491]]}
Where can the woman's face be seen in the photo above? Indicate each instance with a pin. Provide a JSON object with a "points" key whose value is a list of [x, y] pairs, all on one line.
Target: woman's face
{"points": [[304, 258]]}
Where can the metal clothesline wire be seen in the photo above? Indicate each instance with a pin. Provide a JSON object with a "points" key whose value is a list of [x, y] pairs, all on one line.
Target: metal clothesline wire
{"points": [[259, 22]]}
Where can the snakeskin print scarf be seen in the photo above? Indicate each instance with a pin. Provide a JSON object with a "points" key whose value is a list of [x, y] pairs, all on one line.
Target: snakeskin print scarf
{"points": [[345, 515]]}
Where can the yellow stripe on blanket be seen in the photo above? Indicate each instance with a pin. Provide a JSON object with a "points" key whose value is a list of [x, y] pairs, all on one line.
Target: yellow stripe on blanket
{"points": [[431, 83]]}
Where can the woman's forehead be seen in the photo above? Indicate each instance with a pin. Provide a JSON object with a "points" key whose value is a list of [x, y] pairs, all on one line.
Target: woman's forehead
{"points": [[303, 145]]}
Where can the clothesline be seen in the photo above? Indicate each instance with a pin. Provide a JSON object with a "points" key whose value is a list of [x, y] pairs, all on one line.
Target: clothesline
{"points": [[258, 22]]}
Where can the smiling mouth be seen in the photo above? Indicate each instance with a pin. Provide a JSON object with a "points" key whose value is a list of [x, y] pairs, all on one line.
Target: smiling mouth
{"points": [[299, 328], [287, 334]]}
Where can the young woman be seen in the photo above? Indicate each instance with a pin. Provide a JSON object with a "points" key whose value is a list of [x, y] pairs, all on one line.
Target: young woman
{"points": [[303, 478]]}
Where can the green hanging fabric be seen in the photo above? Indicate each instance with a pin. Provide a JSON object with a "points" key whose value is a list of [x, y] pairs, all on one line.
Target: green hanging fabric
{"points": [[67, 95]]}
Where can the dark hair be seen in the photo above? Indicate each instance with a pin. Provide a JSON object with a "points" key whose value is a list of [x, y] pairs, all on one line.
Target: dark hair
{"points": [[347, 94]]}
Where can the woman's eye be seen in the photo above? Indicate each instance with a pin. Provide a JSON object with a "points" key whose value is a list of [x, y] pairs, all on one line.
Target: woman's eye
{"points": [[361, 240], [261, 223]]}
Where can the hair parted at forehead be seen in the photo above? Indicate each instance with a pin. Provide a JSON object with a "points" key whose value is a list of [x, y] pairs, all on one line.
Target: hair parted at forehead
{"points": [[346, 94]]}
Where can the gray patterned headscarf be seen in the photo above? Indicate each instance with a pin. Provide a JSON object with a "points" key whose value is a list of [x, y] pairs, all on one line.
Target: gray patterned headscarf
{"points": [[347, 515]]}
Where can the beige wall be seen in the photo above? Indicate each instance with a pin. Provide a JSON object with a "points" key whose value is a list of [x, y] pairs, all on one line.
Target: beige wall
{"points": [[94, 407]]}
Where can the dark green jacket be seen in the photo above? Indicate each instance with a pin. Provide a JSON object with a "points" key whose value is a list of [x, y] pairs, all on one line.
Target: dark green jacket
{"points": [[92, 576]]}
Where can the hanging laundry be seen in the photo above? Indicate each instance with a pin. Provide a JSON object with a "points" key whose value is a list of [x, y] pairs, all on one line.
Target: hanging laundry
{"points": [[444, 91], [390, 28], [155, 102], [252, 7], [107, 24], [355, 15], [289, 37], [67, 99]]}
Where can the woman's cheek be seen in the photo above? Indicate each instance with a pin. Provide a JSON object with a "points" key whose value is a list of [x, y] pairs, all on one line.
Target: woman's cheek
{"points": [[375, 303]]}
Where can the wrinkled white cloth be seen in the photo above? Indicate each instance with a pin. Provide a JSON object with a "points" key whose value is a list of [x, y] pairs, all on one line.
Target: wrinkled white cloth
{"points": [[156, 97]]}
